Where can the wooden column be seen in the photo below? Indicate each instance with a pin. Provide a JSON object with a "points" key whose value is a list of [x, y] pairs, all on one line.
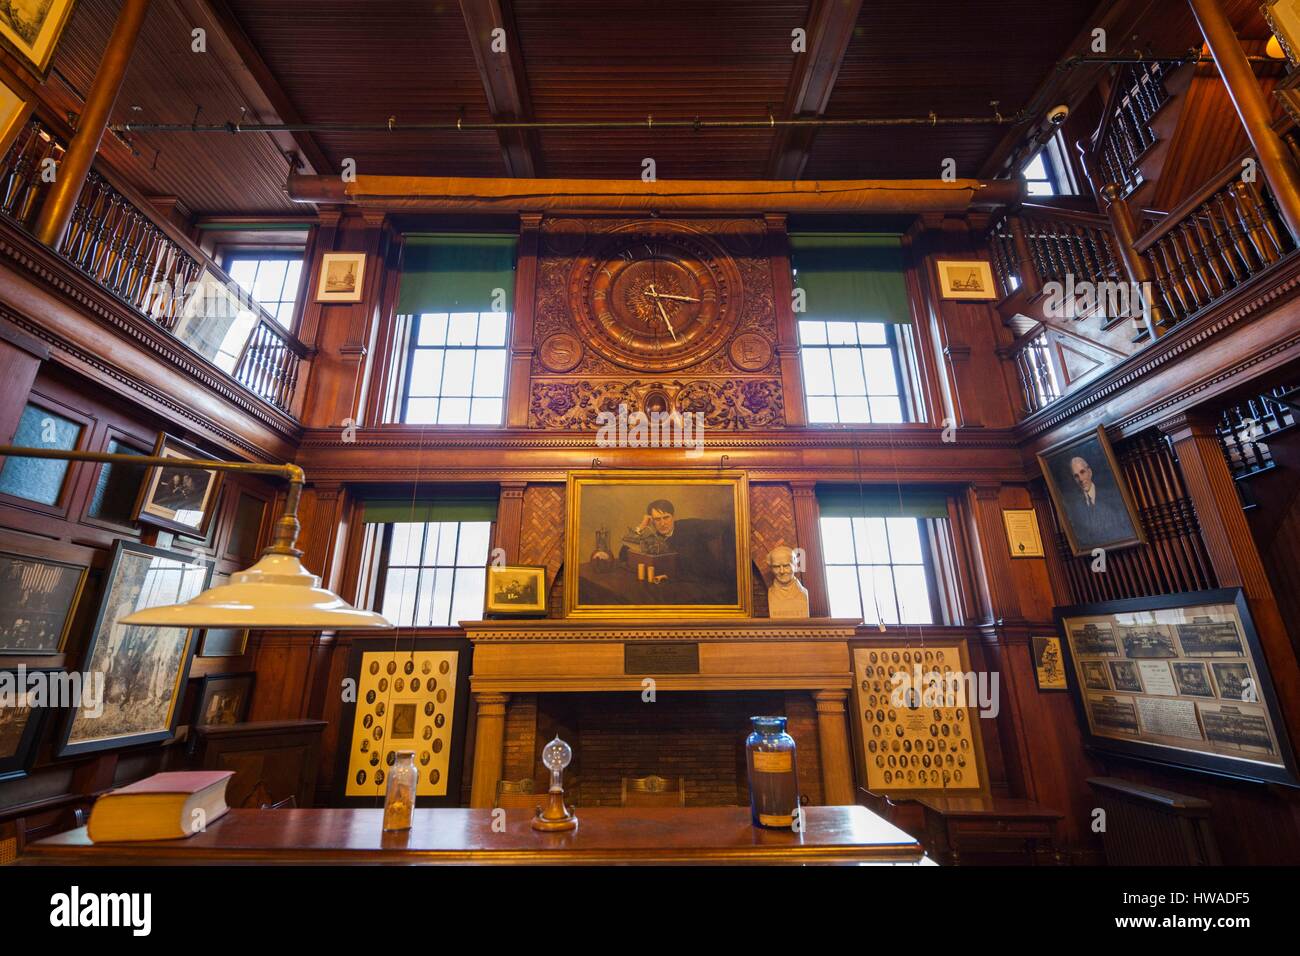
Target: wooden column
{"points": [[1232, 549], [833, 745], [1136, 266], [489, 748], [807, 529], [1239, 79], [510, 518], [1002, 603], [787, 331], [519, 386], [62, 198]]}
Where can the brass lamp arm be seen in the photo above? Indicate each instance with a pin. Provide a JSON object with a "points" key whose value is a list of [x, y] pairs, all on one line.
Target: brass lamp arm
{"points": [[286, 527]]}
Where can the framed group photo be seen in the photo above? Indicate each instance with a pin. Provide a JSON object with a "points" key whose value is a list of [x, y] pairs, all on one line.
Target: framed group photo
{"points": [[515, 591], [657, 544], [20, 720], [1177, 679], [178, 499], [40, 597], [1092, 498], [144, 668]]}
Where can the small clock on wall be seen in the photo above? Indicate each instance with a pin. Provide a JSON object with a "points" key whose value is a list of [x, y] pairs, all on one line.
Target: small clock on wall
{"points": [[655, 295]]}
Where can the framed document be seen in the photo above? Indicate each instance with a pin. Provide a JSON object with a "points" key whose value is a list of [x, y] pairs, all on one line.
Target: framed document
{"points": [[1177, 679], [1023, 538]]}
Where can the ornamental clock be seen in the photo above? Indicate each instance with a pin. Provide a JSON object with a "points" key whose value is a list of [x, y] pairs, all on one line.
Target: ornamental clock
{"points": [[654, 295]]}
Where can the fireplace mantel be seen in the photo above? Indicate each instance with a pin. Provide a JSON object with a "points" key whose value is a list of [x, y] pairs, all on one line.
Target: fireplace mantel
{"points": [[572, 656]]}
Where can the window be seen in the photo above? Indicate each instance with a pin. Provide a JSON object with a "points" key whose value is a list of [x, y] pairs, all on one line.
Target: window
{"points": [[850, 372], [432, 573], [1049, 173], [117, 486], [455, 369], [39, 479], [879, 569], [269, 277]]}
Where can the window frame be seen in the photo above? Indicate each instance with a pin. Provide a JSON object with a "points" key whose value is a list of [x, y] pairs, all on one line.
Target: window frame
{"points": [[903, 373], [939, 610], [228, 254], [382, 544], [1056, 165], [402, 386]]}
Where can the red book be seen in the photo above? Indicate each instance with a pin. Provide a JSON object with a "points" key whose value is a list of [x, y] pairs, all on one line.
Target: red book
{"points": [[166, 806]]}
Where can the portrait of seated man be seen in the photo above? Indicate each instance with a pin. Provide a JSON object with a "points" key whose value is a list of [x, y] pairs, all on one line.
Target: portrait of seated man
{"points": [[1091, 496]]}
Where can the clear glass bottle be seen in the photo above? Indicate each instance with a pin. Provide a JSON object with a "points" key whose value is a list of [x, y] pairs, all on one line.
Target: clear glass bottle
{"points": [[399, 799], [773, 773]]}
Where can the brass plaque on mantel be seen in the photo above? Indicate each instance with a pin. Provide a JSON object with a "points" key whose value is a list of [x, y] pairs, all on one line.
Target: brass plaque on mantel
{"points": [[673, 658]]}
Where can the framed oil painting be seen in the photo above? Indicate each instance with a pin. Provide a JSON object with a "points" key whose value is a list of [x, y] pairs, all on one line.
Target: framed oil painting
{"points": [[178, 499], [515, 591], [415, 697], [144, 668], [40, 598], [341, 274], [21, 715], [1177, 679], [31, 29], [659, 544], [1092, 498], [14, 111], [224, 698], [966, 280]]}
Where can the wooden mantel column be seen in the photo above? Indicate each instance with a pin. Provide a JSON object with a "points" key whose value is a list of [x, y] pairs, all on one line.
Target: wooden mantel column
{"points": [[489, 748], [1232, 549], [71, 176], [1253, 109], [833, 744]]}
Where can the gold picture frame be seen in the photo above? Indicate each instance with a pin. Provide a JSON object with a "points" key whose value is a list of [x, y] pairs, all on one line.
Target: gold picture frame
{"points": [[341, 277], [1283, 18], [1109, 520], [1023, 537], [620, 559], [966, 279], [14, 110], [515, 590], [33, 42]]}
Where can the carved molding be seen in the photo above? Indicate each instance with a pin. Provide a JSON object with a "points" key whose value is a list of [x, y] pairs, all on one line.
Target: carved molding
{"points": [[745, 629]]}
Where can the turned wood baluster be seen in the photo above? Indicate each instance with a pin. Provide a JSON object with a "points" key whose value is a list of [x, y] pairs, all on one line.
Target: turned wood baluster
{"points": [[1208, 250], [1024, 261], [116, 244], [1264, 210], [78, 224], [103, 232], [1222, 238], [35, 186], [1170, 270], [1253, 225], [1199, 264], [1163, 291], [1240, 243], [20, 160], [1185, 273]]}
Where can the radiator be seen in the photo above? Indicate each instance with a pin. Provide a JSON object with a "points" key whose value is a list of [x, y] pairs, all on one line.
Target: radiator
{"points": [[1147, 826]]}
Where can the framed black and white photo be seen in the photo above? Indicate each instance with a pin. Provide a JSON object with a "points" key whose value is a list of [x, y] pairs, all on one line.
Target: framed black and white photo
{"points": [[341, 274], [225, 698], [144, 668], [1092, 498], [178, 499], [515, 591], [1177, 679], [23, 708], [39, 599]]}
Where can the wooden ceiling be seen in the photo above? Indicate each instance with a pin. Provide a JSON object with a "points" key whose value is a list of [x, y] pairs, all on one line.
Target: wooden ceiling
{"points": [[345, 61]]}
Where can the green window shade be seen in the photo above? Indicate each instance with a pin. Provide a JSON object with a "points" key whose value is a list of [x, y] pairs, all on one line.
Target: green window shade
{"points": [[850, 277], [456, 273], [845, 502], [398, 511]]}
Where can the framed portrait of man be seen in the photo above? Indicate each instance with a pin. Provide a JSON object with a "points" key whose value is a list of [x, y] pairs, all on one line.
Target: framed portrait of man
{"points": [[1092, 498], [657, 544], [143, 667]]}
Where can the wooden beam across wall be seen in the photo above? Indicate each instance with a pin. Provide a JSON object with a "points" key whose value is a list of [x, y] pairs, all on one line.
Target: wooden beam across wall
{"points": [[501, 68], [830, 27]]}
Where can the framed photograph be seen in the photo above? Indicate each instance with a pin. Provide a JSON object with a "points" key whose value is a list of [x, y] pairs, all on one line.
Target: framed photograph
{"points": [[23, 708], [1092, 498], [516, 590], [224, 642], [1023, 538], [225, 699], [658, 544], [966, 279], [178, 499], [32, 30], [144, 668], [413, 697], [40, 598], [1283, 18], [1049, 663], [14, 111], [917, 726], [1179, 680], [341, 275]]}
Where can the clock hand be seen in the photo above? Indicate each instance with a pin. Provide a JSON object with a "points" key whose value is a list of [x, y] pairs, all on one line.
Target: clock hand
{"points": [[666, 322], [679, 298]]}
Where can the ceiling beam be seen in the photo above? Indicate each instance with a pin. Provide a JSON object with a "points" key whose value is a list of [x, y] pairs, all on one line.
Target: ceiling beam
{"points": [[830, 27], [266, 99], [504, 82]]}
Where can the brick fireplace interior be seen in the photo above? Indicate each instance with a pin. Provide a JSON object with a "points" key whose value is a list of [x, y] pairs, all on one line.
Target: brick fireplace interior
{"points": [[695, 735]]}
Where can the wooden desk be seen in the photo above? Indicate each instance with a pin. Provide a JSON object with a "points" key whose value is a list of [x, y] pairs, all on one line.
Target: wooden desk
{"points": [[711, 835], [957, 827]]}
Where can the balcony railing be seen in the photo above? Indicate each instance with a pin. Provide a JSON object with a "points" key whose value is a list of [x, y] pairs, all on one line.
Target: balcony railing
{"points": [[155, 271], [1038, 382], [1125, 134], [1039, 243]]}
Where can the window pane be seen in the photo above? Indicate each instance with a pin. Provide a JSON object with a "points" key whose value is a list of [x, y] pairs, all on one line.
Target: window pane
{"points": [[879, 366], [270, 280], [842, 333], [421, 411], [457, 375], [399, 595], [439, 609], [454, 411], [913, 595], [822, 410], [39, 479], [433, 328], [463, 328], [116, 487], [812, 332], [492, 328], [490, 373], [1040, 189], [837, 541], [1034, 169], [878, 594], [243, 271], [848, 372], [869, 536], [854, 409], [405, 544], [473, 548], [292, 276], [842, 589], [467, 595], [872, 333], [485, 411], [817, 371], [904, 540], [426, 372], [440, 543], [886, 410]]}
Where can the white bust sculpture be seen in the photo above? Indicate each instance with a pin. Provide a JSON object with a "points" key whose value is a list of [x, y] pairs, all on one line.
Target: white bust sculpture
{"points": [[786, 597]]}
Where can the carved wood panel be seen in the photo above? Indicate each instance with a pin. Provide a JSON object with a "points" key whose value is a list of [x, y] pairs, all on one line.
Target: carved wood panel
{"points": [[771, 522]]}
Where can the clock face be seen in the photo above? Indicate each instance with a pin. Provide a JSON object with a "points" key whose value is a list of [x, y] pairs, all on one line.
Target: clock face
{"points": [[655, 295]]}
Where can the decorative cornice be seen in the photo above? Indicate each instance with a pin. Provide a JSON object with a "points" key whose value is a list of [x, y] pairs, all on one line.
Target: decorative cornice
{"points": [[746, 629]]}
